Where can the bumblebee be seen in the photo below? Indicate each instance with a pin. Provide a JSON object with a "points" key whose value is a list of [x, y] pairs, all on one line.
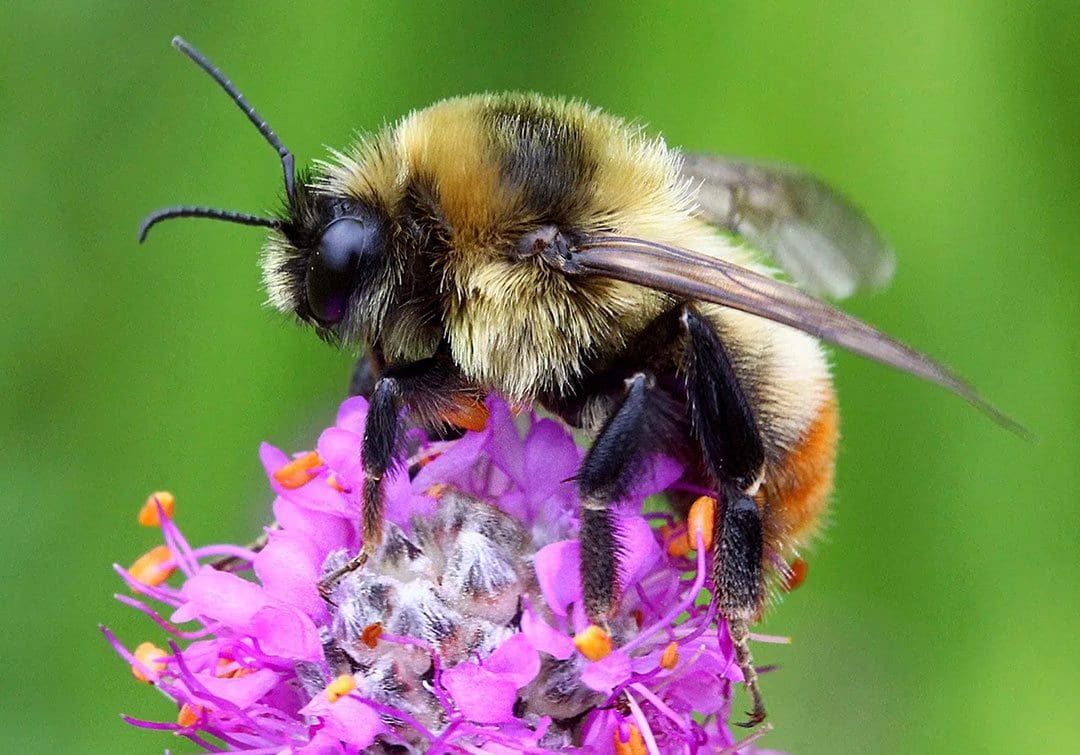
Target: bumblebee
{"points": [[547, 251]]}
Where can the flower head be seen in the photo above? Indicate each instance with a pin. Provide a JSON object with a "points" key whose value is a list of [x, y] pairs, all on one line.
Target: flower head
{"points": [[464, 632]]}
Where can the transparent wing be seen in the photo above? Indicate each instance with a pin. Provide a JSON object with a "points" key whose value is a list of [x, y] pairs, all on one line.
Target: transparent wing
{"points": [[691, 275], [823, 241]]}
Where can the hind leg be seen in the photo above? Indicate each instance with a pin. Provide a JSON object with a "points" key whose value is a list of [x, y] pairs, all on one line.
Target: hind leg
{"points": [[727, 432]]}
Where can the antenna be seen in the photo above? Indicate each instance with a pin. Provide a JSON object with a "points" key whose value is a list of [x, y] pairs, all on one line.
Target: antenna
{"points": [[229, 216], [188, 211], [253, 115]]}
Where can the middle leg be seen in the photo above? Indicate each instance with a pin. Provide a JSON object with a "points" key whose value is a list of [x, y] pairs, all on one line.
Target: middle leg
{"points": [[618, 454]]}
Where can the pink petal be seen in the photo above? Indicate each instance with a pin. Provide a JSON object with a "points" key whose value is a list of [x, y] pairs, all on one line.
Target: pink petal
{"points": [[600, 726], [516, 659], [352, 722], [340, 449], [726, 648], [639, 549], [220, 596], [658, 476], [402, 502], [286, 632], [327, 532], [289, 568], [318, 495], [454, 464], [558, 570], [483, 697], [321, 744], [272, 458], [700, 692], [244, 690], [544, 637], [352, 414], [607, 673], [551, 456], [505, 447]]}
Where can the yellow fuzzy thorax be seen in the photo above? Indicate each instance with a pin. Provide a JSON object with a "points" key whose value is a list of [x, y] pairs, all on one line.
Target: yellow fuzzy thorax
{"points": [[515, 326]]}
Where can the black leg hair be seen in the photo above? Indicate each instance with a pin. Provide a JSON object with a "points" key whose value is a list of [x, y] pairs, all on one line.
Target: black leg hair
{"points": [[365, 376], [740, 584], [724, 425], [424, 390], [720, 413], [381, 451], [616, 456]]}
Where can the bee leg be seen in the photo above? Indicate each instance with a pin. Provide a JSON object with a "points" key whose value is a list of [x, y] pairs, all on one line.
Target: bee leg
{"points": [[724, 426], [365, 376], [608, 470], [422, 389], [380, 450], [740, 585]]}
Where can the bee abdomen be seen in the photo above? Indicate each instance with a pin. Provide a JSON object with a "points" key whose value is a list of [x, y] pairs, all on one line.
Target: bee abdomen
{"points": [[796, 489]]}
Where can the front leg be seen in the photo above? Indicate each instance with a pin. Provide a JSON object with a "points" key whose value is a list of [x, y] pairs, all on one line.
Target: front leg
{"points": [[429, 390]]}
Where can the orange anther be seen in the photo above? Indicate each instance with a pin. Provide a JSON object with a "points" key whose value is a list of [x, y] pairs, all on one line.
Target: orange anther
{"points": [[230, 669], [639, 617], [701, 520], [430, 457], [669, 659], [679, 546], [188, 714], [593, 643], [148, 514], [436, 491], [297, 472], [796, 574], [148, 568], [635, 745], [340, 687], [335, 483], [371, 634], [149, 655], [467, 414]]}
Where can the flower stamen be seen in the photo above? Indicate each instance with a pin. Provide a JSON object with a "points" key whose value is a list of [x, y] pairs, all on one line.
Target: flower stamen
{"points": [[593, 643], [153, 567], [701, 520], [157, 503], [340, 687], [149, 658], [796, 575], [188, 715], [371, 634], [632, 745], [669, 659], [679, 545], [298, 472]]}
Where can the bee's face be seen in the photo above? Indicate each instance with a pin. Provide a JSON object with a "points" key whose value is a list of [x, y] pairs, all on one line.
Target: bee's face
{"points": [[324, 258]]}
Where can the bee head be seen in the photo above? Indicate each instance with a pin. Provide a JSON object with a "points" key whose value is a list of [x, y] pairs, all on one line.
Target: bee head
{"points": [[324, 261], [323, 248]]}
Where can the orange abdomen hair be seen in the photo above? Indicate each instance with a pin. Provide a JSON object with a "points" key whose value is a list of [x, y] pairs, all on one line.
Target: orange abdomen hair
{"points": [[795, 493]]}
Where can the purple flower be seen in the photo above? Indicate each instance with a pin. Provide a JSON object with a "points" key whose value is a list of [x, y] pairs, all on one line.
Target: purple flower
{"points": [[463, 633]]}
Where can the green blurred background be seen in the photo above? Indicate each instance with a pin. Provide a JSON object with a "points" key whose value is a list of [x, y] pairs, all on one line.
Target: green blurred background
{"points": [[941, 610]]}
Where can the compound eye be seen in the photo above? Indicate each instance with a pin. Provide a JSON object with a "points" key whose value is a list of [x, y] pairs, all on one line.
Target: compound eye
{"points": [[334, 268]]}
